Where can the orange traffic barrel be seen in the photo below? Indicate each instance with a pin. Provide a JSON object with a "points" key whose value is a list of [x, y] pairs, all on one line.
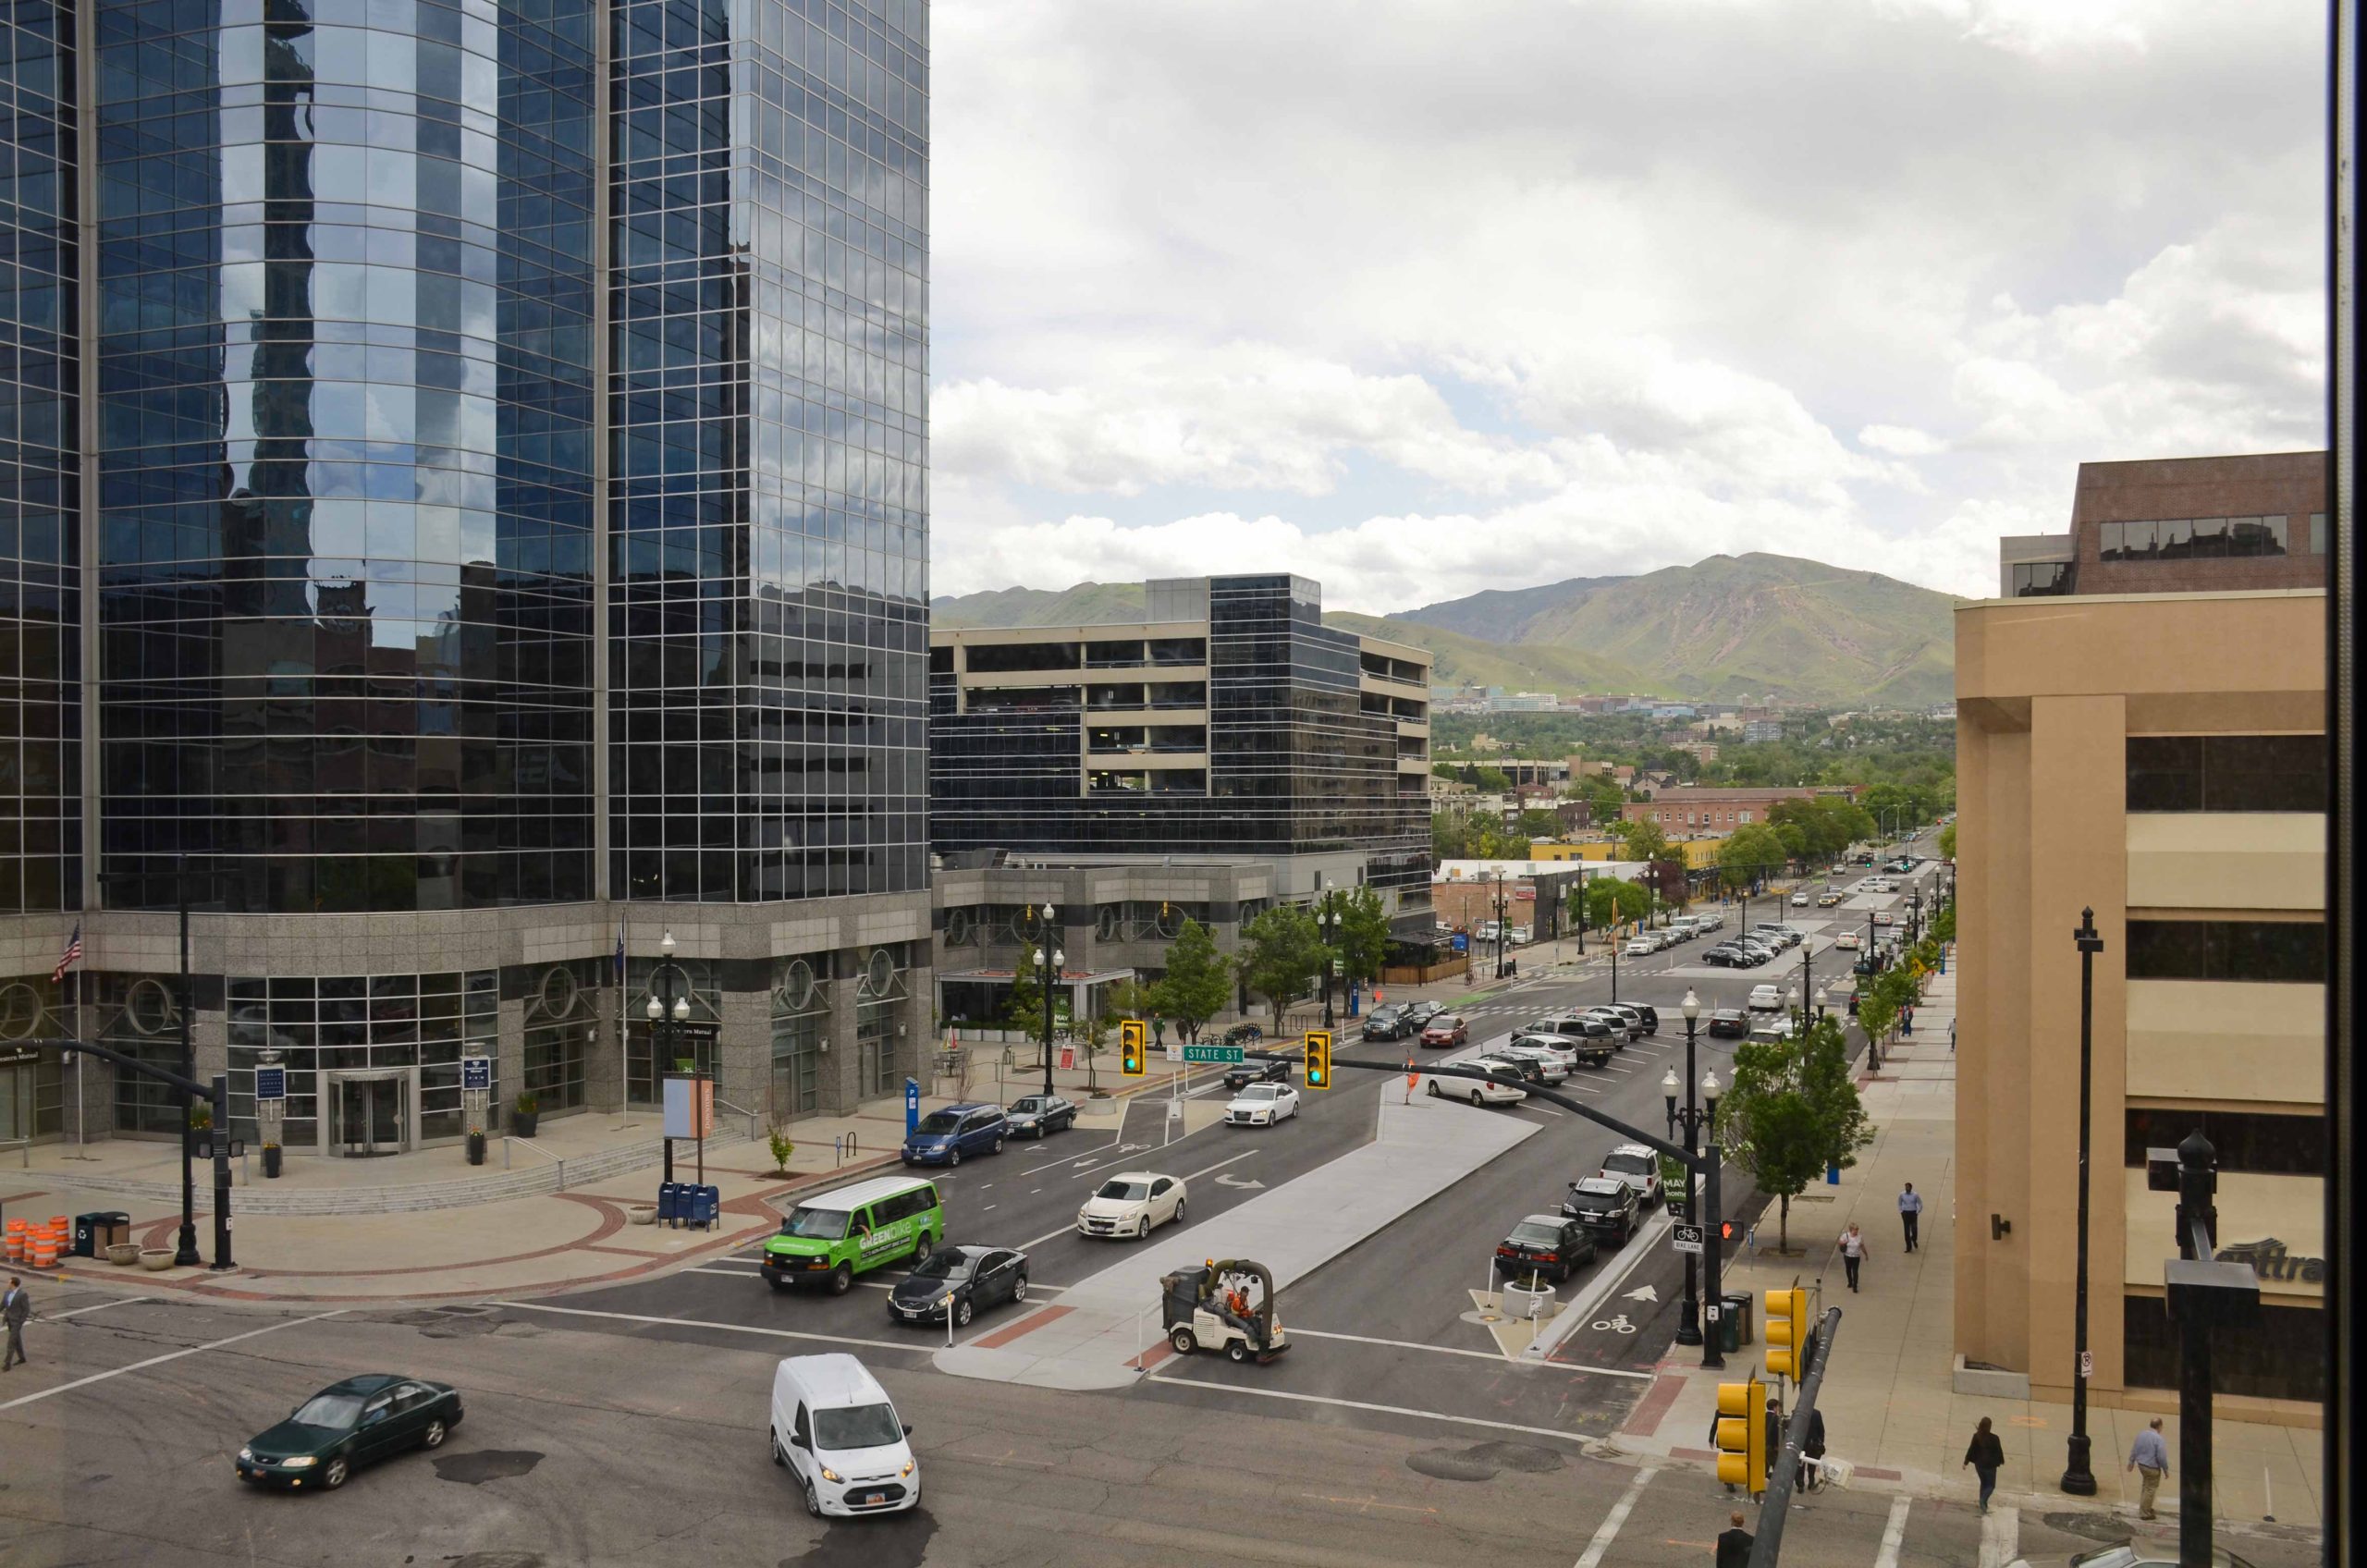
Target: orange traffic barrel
{"points": [[17, 1241], [44, 1251]]}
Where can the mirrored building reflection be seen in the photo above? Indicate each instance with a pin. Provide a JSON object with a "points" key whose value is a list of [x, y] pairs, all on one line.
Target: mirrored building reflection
{"points": [[497, 436]]}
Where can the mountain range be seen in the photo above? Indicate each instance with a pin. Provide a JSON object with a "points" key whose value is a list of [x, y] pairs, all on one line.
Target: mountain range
{"points": [[1723, 628]]}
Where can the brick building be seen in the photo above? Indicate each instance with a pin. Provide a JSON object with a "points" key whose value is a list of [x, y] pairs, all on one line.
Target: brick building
{"points": [[2180, 525], [1721, 812]]}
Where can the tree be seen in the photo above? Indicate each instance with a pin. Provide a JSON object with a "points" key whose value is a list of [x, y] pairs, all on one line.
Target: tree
{"points": [[1948, 841], [1791, 1112], [1611, 900], [1280, 953], [1750, 853], [1025, 1011], [1640, 839], [1535, 824], [1363, 932], [1943, 925], [1196, 987]]}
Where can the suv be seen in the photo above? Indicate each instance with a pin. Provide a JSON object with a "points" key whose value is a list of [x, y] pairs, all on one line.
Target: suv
{"points": [[1388, 1023], [1634, 1019], [1241, 1074], [1554, 1245], [944, 1136], [1606, 1206], [1422, 1012], [1591, 1049], [1651, 1015], [1639, 1168]]}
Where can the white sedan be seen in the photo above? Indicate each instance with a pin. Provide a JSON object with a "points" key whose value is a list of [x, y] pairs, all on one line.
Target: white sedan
{"points": [[1641, 947], [1846, 940], [1765, 998], [1132, 1203], [1799, 901], [1262, 1105]]}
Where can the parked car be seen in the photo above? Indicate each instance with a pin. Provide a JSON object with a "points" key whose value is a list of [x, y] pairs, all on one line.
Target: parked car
{"points": [[1589, 1049], [1630, 1016], [1262, 1105], [1725, 955], [944, 1136], [1729, 1023], [1387, 1024], [958, 1282], [1033, 1115], [1639, 1167], [1605, 1206], [1641, 947], [1773, 933], [347, 1425], [1445, 1029], [1502, 1086], [1765, 998], [1241, 1074], [1521, 1067], [1712, 920], [1132, 1203], [1552, 1066], [1553, 1246]]}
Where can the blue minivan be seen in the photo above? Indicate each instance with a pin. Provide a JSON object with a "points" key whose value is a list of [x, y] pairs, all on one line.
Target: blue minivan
{"points": [[944, 1136]]}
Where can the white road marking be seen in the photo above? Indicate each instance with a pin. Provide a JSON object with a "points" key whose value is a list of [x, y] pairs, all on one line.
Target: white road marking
{"points": [[702, 1323], [170, 1356], [1165, 1375], [2001, 1536], [1608, 1531], [989, 1209], [1894, 1534], [1456, 1349], [77, 1312]]}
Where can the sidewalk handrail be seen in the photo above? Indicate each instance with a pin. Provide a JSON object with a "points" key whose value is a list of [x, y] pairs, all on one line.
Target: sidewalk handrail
{"points": [[528, 1144], [739, 1111]]}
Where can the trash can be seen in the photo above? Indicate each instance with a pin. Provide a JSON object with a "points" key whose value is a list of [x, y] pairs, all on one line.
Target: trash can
{"points": [[1737, 1319], [96, 1231]]}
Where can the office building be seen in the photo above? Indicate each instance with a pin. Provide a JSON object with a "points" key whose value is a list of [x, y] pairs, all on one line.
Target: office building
{"points": [[2175, 525], [469, 510], [1229, 722], [2157, 756]]}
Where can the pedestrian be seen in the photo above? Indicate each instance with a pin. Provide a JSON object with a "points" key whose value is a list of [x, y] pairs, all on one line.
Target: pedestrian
{"points": [[1811, 1474], [15, 1307], [1910, 1212], [1733, 1546], [1906, 1020], [2149, 1456], [1952, 1037], [1987, 1456], [1852, 1252]]}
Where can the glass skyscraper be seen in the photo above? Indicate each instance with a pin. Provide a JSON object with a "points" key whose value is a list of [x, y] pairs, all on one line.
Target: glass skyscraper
{"points": [[496, 439]]}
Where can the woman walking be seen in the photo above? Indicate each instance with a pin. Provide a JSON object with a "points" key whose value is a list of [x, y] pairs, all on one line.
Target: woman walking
{"points": [[1987, 1456], [1852, 1252]]}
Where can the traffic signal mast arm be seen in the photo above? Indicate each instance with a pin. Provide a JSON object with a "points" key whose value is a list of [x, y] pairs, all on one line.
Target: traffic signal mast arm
{"points": [[1766, 1550]]}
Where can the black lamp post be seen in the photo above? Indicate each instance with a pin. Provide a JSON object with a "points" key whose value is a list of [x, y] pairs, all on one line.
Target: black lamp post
{"points": [[1819, 1004], [185, 1242], [1689, 1119], [1914, 918], [668, 1008], [1326, 926], [1050, 960], [2079, 1475]]}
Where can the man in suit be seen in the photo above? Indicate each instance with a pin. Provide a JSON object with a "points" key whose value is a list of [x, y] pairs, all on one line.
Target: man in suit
{"points": [[1733, 1546], [15, 1307]]}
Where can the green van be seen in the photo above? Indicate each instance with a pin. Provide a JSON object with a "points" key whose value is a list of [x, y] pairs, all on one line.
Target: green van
{"points": [[838, 1235]]}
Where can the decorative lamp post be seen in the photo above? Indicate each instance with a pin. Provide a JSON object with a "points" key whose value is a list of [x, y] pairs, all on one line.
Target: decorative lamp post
{"points": [[2078, 1475], [1819, 1004], [1051, 960], [1326, 927], [1792, 1003], [1689, 1120], [668, 1009]]}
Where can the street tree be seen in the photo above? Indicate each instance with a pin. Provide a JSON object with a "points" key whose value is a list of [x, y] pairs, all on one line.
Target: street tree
{"points": [[1948, 841], [1792, 1112], [1197, 983], [1611, 900], [1024, 1009], [1363, 932], [1641, 839], [1280, 954], [1751, 853]]}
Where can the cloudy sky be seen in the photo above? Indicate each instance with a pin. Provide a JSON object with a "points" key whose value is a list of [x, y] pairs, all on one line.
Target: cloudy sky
{"points": [[1421, 296]]}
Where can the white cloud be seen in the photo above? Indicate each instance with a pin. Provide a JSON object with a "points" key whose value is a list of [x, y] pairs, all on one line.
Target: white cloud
{"points": [[1473, 294]]}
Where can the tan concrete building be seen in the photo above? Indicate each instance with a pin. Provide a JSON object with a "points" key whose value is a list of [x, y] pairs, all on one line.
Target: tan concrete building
{"points": [[2160, 758]]}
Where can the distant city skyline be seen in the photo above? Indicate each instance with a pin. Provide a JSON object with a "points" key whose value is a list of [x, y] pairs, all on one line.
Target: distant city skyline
{"points": [[1416, 310]]}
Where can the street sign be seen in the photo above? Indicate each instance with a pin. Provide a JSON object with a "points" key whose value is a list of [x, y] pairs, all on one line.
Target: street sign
{"points": [[706, 1034], [476, 1072], [271, 1083], [1212, 1053], [2087, 1363], [1462, 943], [1686, 1238]]}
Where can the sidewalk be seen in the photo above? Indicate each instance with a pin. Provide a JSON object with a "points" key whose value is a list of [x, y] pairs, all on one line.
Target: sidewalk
{"points": [[1888, 1398], [426, 1225]]}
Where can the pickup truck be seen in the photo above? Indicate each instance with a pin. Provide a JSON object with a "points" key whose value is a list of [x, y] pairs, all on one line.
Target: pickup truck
{"points": [[1586, 1050]]}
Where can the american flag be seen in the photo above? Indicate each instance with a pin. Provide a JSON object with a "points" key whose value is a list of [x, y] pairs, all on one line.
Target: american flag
{"points": [[71, 957]]}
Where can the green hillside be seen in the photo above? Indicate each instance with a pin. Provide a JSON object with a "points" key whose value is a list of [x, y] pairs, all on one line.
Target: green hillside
{"points": [[1458, 660]]}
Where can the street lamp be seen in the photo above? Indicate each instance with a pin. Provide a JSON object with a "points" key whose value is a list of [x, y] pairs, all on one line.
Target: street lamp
{"points": [[1819, 1004], [1051, 960], [1326, 926], [2079, 1475], [668, 1009], [1690, 1120]]}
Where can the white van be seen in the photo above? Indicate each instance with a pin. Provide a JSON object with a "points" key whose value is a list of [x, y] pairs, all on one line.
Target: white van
{"points": [[1502, 1086], [835, 1431]]}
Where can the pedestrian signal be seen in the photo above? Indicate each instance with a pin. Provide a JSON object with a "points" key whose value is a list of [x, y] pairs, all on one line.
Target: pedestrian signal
{"points": [[1319, 1059], [1742, 1435], [1791, 1344], [1134, 1048]]}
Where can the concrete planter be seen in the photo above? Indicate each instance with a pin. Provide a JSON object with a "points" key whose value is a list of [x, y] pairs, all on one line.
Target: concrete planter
{"points": [[1521, 1303], [643, 1214], [123, 1255], [155, 1259]]}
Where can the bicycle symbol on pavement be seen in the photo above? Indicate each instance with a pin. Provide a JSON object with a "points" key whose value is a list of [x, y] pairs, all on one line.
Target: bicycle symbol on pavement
{"points": [[1616, 1324]]}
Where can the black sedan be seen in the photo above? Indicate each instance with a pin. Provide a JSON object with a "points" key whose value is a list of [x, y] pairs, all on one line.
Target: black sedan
{"points": [[1032, 1116], [1552, 1247], [1730, 1022], [961, 1281], [349, 1425], [1728, 957], [1241, 1074]]}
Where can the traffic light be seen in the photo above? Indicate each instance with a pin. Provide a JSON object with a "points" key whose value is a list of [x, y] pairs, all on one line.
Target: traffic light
{"points": [[1791, 1342], [1134, 1047], [1319, 1059], [1742, 1435]]}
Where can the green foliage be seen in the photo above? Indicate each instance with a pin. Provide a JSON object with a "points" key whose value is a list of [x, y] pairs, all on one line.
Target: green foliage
{"points": [[1750, 853], [1791, 1111], [1024, 1009], [1611, 900], [1943, 925], [1363, 932], [777, 1140], [1640, 839], [1535, 824], [1462, 835], [1948, 841], [1280, 954], [1197, 983], [1820, 828]]}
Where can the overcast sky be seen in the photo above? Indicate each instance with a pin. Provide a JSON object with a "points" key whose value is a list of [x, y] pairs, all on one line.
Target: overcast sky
{"points": [[1421, 296]]}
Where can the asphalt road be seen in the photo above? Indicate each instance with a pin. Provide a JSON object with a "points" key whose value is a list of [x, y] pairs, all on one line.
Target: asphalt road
{"points": [[574, 1453]]}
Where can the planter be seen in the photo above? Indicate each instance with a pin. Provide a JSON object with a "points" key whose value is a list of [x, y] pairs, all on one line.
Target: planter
{"points": [[1519, 1301], [272, 1154], [522, 1122], [476, 1148], [155, 1259], [642, 1214], [123, 1255]]}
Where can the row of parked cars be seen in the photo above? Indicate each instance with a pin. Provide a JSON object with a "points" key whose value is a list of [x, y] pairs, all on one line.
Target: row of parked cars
{"points": [[1547, 1051], [1764, 943], [1401, 1023], [1601, 1210]]}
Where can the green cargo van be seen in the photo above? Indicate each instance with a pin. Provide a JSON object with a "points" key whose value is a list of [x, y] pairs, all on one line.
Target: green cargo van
{"points": [[838, 1235]]}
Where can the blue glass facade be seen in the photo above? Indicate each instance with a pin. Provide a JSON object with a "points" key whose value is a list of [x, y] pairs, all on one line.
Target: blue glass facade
{"points": [[769, 448], [41, 561]]}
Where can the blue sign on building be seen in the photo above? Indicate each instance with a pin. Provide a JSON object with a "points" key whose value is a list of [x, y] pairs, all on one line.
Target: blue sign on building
{"points": [[271, 1083], [476, 1072], [912, 1104], [1462, 943]]}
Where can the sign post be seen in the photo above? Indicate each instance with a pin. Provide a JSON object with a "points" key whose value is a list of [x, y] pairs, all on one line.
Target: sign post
{"points": [[1686, 1238], [912, 1106], [476, 1098], [270, 1108]]}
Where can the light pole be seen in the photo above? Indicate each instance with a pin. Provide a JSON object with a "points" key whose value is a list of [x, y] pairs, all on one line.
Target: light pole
{"points": [[185, 1003], [1819, 1004], [1792, 1005], [1326, 926], [1051, 960], [667, 1014], [1690, 1121], [2078, 1475], [1503, 936]]}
